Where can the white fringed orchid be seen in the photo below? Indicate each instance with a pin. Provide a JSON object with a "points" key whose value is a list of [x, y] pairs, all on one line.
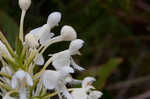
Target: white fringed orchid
{"points": [[64, 59], [56, 80], [20, 77], [43, 34], [82, 93], [20, 80]]}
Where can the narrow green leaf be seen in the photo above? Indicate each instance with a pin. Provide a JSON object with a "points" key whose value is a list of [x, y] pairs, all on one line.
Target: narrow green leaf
{"points": [[105, 71], [18, 47]]}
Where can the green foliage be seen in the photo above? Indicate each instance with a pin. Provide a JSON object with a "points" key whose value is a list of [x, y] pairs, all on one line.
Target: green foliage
{"points": [[105, 71], [95, 20], [8, 26]]}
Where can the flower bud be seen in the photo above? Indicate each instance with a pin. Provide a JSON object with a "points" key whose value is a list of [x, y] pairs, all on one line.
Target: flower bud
{"points": [[24, 4], [68, 33], [75, 45], [53, 19]]}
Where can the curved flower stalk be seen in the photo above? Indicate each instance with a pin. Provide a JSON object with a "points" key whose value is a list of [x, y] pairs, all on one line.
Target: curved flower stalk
{"points": [[24, 5], [56, 80], [19, 80], [81, 93]]}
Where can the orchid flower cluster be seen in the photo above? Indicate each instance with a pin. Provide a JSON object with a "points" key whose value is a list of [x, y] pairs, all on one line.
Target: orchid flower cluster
{"points": [[20, 80]]}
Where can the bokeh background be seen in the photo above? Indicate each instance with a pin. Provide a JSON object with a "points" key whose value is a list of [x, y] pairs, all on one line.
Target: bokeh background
{"points": [[116, 35]]}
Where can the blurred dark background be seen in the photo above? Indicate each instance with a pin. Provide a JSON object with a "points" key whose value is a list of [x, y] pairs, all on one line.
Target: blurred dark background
{"points": [[116, 35]]}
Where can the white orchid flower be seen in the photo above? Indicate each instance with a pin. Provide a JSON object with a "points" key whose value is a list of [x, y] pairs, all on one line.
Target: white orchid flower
{"points": [[64, 59], [19, 80], [56, 80], [81, 93], [43, 34]]}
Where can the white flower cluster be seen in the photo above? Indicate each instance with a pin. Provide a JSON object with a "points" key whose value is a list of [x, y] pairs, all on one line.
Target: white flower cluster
{"points": [[19, 76]]}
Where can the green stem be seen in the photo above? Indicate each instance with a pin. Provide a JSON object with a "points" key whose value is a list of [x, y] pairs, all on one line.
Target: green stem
{"points": [[5, 86], [54, 94], [5, 75], [43, 69]]}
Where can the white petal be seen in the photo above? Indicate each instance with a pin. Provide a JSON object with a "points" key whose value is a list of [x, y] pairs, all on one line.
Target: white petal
{"points": [[71, 80], [75, 45], [87, 81], [61, 59], [79, 93], [35, 31], [76, 66], [39, 59], [46, 37], [95, 95], [53, 19], [31, 40], [49, 79], [29, 80], [21, 77], [66, 70], [62, 88], [20, 74], [14, 82], [68, 33]]}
